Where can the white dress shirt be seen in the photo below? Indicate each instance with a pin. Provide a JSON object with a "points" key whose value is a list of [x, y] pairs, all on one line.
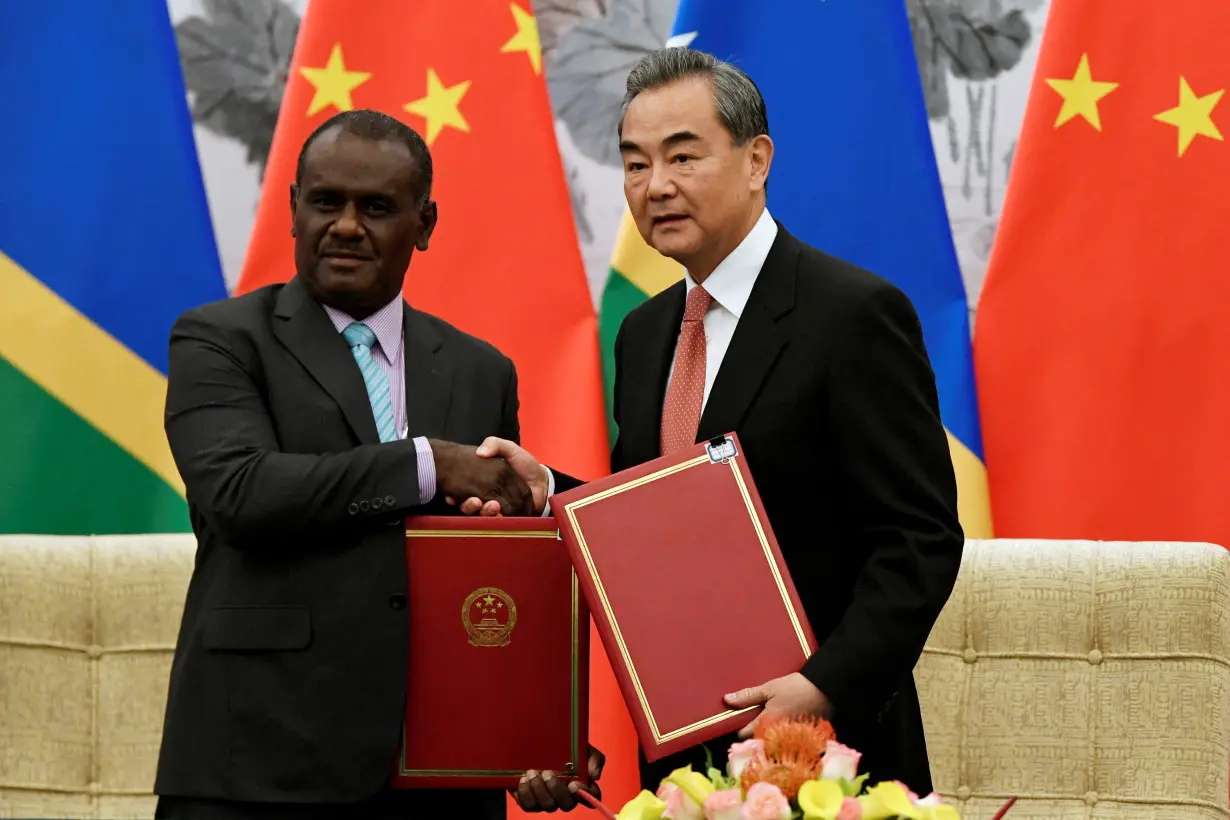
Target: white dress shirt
{"points": [[730, 285]]}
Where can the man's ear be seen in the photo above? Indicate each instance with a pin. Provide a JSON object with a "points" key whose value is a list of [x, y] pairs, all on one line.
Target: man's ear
{"points": [[294, 202], [760, 157], [429, 215]]}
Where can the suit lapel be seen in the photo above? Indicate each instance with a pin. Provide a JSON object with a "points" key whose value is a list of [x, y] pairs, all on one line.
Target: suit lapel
{"points": [[757, 341], [646, 368], [305, 329], [429, 376]]}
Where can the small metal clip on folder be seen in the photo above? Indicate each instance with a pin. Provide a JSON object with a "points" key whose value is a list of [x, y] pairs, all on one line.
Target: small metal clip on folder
{"points": [[721, 449]]}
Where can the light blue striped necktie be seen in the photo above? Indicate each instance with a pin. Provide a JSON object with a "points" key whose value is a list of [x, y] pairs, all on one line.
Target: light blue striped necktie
{"points": [[360, 338]]}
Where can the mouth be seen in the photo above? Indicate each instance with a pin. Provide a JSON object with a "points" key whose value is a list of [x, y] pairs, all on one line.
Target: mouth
{"points": [[343, 260], [668, 220]]}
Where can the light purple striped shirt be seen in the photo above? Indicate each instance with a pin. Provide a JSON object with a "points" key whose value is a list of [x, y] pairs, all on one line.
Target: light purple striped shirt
{"points": [[389, 353]]}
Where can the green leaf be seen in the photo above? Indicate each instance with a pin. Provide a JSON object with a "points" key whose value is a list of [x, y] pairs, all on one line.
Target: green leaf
{"points": [[853, 788], [720, 781]]}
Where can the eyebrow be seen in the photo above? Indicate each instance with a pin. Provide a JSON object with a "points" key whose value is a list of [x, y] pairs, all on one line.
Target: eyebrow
{"points": [[674, 139], [383, 196]]}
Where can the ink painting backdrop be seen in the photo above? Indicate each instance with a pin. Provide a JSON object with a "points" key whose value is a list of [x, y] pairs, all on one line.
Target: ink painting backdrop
{"points": [[976, 58]]}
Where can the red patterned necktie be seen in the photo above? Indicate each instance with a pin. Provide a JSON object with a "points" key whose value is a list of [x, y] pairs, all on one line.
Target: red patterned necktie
{"points": [[685, 395]]}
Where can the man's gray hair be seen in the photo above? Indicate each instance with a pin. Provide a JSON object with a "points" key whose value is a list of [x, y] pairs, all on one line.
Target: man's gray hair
{"points": [[740, 108]]}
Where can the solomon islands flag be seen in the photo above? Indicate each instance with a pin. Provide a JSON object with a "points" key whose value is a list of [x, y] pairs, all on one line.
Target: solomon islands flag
{"points": [[105, 238]]}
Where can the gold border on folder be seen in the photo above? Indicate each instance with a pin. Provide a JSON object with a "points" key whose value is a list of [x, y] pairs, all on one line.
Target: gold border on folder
{"points": [[573, 766], [571, 511]]}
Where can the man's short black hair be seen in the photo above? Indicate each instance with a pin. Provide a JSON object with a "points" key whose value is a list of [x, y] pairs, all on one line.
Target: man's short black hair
{"points": [[374, 125]]}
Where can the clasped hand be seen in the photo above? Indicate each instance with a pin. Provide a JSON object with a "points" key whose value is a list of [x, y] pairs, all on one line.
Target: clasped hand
{"points": [[522, 464], [490, 483]]}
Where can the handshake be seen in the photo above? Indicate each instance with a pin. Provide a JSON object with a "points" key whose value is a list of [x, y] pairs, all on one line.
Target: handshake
{"points": [[496, 478]]}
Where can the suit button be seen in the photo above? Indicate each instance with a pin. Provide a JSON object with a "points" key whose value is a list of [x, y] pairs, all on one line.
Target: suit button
{"points": [[389, 501], [353, 509], [397, 601], [377, 503], [364, 506]]}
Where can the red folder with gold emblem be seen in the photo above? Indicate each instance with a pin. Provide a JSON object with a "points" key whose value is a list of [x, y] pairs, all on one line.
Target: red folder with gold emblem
{"points": [[688, 588], [499, 655]]}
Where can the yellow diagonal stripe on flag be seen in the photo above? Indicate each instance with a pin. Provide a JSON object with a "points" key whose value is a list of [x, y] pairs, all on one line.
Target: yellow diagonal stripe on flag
{"points": [[85, 368]]}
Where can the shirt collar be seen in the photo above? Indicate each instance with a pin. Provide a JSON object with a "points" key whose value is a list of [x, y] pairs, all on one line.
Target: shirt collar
{"points": [[731, 282], [386, 323]]}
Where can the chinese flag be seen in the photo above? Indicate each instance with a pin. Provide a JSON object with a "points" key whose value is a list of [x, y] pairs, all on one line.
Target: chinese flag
{"points": [[1102, 342], [504, 262]]}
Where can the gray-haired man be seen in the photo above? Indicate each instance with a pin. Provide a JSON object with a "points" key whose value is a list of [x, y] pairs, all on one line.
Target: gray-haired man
{"points": [[820, 368]]}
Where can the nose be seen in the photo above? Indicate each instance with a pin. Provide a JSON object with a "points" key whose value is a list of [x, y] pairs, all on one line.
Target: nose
{"points": [[347, 223], [661, 182]]}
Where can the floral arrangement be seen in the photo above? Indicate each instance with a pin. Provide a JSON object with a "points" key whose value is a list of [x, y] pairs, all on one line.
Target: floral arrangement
{"points": [[791, 768]]}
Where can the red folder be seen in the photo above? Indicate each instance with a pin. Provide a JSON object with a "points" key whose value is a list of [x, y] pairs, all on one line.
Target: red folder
{"points": [[689, 591], [499, 655]]}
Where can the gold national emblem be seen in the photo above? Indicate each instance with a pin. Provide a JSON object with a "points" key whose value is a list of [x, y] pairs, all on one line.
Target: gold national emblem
{"points": [[489, 616]]}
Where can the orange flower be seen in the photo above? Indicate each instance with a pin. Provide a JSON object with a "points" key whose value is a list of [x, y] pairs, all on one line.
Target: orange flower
{"points": [[801, 738], [787, 773], [793, 751]]}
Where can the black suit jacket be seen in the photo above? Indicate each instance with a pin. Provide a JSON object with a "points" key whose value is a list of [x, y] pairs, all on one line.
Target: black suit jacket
{"points": [[828, 385], [289, 677]]}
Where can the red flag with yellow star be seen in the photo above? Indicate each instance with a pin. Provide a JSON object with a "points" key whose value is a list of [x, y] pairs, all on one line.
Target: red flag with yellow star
{"points": [[1102, 342], [504, 261]]}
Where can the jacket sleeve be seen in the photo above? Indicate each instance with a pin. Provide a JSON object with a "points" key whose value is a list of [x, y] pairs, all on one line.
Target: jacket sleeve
{"points": [[900, 490], [510, 426], [224, 444]]}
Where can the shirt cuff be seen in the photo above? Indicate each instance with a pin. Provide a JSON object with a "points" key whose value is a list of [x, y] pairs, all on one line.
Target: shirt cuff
{"points": [[546, 508], [427, 469]]}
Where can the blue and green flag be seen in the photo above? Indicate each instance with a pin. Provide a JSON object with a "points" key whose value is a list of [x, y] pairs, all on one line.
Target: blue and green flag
{"points": [[105, 237]]}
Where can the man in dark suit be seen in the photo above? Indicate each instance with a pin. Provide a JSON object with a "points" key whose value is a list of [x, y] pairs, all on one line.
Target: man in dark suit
{"points": [[307, 421], [820, 369]]}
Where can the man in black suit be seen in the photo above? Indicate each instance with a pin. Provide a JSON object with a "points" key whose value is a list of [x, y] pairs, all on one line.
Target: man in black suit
{"points": [[820, 369], [307, 421]]}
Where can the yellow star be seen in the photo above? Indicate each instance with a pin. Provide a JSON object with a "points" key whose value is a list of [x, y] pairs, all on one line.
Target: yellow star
{"points": [[526, 38], [1080, 95], [333, 83], [1192, 115], [489, 600], [439, 107]]}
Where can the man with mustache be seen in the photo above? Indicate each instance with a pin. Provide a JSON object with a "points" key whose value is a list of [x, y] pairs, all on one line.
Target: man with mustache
{"points": [[820, 369], [307, 420]]}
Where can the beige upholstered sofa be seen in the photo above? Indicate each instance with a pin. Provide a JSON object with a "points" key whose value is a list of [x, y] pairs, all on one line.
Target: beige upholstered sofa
{"points": [[1093, 679], [87, 627]]}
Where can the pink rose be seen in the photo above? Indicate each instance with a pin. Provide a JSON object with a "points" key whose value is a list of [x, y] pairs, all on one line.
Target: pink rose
{"points": [[932, 799], [850, 809], [741, 754], [678, 805], [765, 802], [840, 762], [724, 805]]}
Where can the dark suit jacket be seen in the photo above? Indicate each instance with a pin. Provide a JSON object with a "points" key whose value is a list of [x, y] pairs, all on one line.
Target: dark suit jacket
{"points": [[289, 677], [828, 385]]}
